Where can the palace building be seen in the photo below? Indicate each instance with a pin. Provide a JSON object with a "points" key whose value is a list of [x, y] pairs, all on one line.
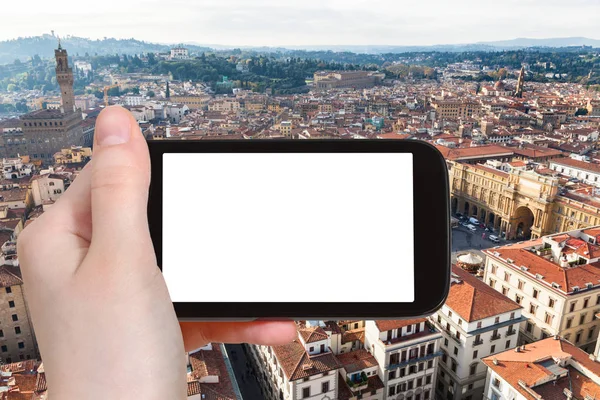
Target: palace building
{"points": [[45, 132], [520, 203]]}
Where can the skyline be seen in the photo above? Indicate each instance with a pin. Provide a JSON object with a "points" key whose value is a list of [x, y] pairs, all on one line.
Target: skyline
{"points": [[331, 23]]}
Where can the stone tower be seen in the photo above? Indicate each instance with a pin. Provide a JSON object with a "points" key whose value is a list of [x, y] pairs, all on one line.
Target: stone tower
{"points": [[64, 77], [520, 82]]}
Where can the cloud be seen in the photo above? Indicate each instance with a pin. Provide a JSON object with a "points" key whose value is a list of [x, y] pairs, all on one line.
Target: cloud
{"points": [[302, 22]]}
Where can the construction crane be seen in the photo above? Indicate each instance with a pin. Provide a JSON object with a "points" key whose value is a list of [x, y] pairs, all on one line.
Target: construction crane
{"points": [[106, 89]]}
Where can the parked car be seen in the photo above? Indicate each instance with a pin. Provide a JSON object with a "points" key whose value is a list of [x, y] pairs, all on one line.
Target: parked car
{"points": [[472, 228], [473, 221], [494, 238]]}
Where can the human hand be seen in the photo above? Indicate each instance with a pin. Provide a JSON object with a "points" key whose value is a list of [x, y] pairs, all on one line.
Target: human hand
{"points": [[101, 311]]}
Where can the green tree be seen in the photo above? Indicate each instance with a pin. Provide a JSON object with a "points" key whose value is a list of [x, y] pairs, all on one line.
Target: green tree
{"points": [[168, 91], [151, 94], [11, 87]]}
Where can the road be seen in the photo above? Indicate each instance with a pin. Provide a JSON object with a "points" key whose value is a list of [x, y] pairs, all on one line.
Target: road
{"points": [[244, 374]]}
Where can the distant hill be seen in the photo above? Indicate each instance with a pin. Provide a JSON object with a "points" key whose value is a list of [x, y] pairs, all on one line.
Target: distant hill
{"points": [[24, 48], [554, 42]]}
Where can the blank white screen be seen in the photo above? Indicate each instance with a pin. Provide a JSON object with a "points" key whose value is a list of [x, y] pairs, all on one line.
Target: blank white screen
{"points": [[288, 227]]}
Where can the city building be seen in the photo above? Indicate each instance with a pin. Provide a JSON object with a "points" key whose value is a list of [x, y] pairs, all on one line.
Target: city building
{"points": [[583, 171], [346, 79], [407, 353], [549, 369], [48, 188], [557, 281], [23, 380], [47, 131], [73, 155], [303, 369], [476, 321], [179, 53], [210, 375], [133, 100], [16, 168], [17, 339], [455, 108], [193, 102]]}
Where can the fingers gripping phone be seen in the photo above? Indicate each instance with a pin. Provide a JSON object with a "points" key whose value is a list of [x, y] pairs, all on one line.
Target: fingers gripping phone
{"points": [[334, 229]]}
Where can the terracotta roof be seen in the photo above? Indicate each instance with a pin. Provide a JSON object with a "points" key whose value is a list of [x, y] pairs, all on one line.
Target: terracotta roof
{"points": [[10, 276], [530, 366], [567, 278], [311, 335], [586, 166], [475, 152], [210, 363], [387, 325], [297, 363], [357, 360], [473, 300], [352, 335], [374, 383]]}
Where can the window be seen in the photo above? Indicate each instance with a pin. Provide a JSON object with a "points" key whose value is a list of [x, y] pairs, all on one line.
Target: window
{"points": [[520, 284], [475, 354], [578, 337], [512, 315], [392, 375], [392, 391], [409, 328], [582, 319], [419, 382], [455, 351], [493, 349], [454, 365], [572, 307], [426, 395], [9, 290], [4, 348], [591, 333], [21, 345], [585, 303], [305, 392], [429, 364], [17, 329], [569, 322], [473, 369], [402, 372], [479, 325], [459, 322], [529, 327], [492, 283], [507, 344], [1, 333], [551, 303], [325, 387], [15, 317], [428, 379], [597, 299], [535, 293], [11, 304], [504, 290], [497, 320], [446, 342], [532, 308], [421, 366], [506, 277], [548, 318]]}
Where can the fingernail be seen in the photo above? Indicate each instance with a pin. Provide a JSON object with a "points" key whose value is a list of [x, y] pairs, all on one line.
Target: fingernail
{"points": [[113, 127]]}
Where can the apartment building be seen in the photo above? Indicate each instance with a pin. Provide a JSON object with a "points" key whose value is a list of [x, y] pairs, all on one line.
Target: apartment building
{"points": [[209, 376], [557, 281], [583, 171], [17, 340], [476, 321], [548, 369], [407, 353], [303, 369], [455, 108]]}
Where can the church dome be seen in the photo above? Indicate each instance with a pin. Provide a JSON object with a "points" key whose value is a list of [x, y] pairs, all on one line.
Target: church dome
{"points": [[499, 85]]}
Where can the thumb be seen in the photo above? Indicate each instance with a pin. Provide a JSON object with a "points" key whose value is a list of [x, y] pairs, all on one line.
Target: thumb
{"points": [[119, 185]]}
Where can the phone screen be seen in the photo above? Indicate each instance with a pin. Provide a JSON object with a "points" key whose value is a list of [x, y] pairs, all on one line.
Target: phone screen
{"points": [[288, 227]]}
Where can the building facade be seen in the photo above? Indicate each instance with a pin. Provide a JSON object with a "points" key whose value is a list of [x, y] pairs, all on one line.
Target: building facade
{"points": [[476, 321], [557, 281], [407, 353], [17, 339]]}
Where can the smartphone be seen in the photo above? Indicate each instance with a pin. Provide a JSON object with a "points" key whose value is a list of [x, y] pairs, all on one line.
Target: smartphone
{"points": [[301, 229]]}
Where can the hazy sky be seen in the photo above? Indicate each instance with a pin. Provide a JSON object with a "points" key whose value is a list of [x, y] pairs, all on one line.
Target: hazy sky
{"points": [[303, 22]]}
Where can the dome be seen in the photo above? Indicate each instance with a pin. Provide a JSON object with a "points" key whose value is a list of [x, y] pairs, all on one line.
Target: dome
{"points": [[499, 85]]}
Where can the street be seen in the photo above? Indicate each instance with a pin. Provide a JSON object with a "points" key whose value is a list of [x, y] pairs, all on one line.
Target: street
{"points": [[244, 372], [464, 240]]}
